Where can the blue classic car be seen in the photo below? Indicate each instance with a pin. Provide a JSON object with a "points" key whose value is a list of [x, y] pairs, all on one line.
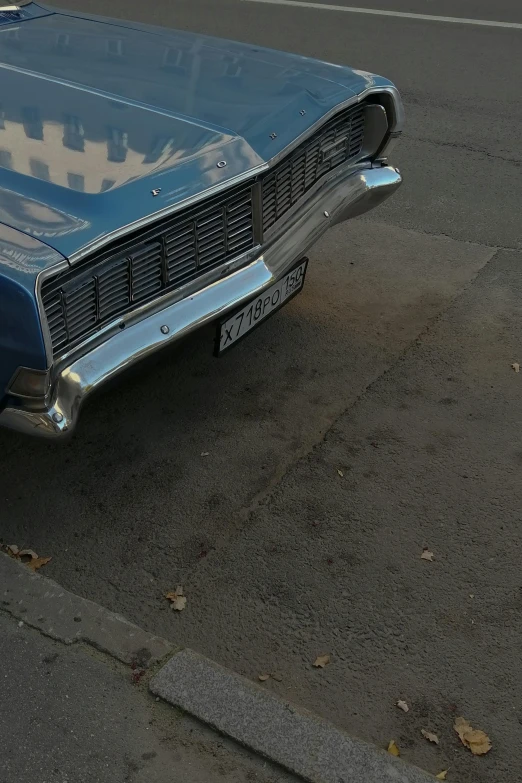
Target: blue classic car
{"points": [[152, 181]]}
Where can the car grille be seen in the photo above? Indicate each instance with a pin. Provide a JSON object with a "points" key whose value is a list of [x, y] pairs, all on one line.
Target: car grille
{"points": [[338, 141], [176, 251], [185, 246]]}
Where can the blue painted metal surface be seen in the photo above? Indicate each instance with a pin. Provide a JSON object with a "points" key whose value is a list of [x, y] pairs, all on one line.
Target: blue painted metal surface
{"points": [[21, 341], [96, 114]]}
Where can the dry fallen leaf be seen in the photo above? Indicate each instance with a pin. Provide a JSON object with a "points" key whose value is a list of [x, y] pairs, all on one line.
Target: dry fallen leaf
{"points": [[426, 554], [340, 472], [516, 366], [474, 739], [430, 736], [264, 677], [393, 749], [34, 561], [179, 601], [205, 453], [403, 706], [321, 661], [27, 553], [37, 562], [441, 775]]}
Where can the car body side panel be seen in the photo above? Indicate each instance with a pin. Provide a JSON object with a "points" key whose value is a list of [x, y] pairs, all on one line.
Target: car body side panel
{"points": [[22, 258]]}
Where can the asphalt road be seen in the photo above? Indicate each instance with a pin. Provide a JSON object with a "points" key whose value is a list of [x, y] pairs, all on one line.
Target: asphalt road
{"points": [[394, 367]]}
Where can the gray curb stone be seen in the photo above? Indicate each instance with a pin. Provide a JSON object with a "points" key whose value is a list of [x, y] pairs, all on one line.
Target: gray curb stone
{"points": [[296, 739], [44, 605]]}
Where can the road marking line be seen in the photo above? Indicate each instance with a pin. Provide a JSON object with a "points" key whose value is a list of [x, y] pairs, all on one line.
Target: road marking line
{"points": [[400, 14]]}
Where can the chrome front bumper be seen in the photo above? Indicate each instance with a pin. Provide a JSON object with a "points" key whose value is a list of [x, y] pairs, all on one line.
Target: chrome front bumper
{"points": [[346, 195]]}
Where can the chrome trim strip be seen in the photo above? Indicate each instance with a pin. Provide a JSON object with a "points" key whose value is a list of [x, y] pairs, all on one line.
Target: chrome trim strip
{"points": [[250, 174], [51, 271], [347, 195], [149, 308], [393, 92], [165, 212], [346, 168], [397, 125]]}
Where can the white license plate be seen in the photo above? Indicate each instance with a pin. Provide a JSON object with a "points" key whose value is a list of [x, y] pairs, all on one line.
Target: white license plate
{"points": [[236, 326]]}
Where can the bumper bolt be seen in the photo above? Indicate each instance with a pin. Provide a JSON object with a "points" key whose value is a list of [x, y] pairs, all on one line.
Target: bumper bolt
{"points": [[164, 330]]}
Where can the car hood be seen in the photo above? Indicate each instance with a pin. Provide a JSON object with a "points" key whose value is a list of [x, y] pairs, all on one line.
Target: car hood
{"points": [[104, 123]]}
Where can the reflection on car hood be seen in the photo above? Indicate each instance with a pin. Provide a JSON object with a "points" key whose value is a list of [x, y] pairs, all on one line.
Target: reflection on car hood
{"points": [[97, 116]]}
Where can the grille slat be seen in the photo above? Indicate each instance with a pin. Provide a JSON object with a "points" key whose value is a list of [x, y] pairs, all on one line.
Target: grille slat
{"points": [[212, 259], [153, 261], [77, 306], [238, 229], [146, 262], [211, 238], [212, 250], [77, 327], [338, 141], [186, 261], [113, 288], [205, 226], [186, 256], [181, 277], [187, 235], [181, 248], [145, 283], [144, 273], [121, 290]]}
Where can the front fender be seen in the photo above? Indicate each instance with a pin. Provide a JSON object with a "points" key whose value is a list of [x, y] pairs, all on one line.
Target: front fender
{"points": [[22, 344]]}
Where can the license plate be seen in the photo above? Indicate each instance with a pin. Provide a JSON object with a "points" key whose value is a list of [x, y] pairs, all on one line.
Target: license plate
{"points": [[236, 326]]}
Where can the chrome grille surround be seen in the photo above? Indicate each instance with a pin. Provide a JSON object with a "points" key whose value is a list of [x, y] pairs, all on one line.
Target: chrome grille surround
{"points": [[144, 266], [338, 141]]}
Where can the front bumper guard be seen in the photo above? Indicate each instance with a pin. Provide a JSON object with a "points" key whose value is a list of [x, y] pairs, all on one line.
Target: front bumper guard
{"points": [[345, 196]]}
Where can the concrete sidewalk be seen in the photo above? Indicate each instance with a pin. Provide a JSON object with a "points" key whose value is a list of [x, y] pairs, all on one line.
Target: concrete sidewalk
{"points": [[71, 714], [79, 705], [68, 717]]}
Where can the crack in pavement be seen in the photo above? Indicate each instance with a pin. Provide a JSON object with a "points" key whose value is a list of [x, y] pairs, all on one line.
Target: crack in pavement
{"points": [[441, 235], [245, 513], [460, 146]]}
